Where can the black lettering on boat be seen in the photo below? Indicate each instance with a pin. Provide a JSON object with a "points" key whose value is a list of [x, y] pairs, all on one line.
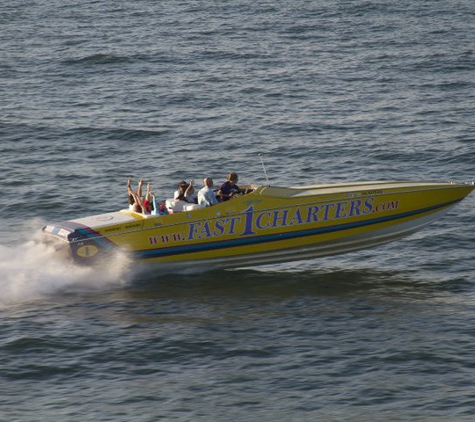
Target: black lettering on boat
{"points": [[372, 192]]}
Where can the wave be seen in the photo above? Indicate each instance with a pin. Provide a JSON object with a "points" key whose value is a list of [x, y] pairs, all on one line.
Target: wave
{"points": [[99, 59]]}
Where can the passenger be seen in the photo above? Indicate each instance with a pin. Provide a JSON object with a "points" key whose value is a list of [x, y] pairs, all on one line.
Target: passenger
{"points": [[155, 210], [158, 208], [136, 202], [131, 201], [186, 192], [131, 194], [206, 195], [229, 188], [137, 206]]}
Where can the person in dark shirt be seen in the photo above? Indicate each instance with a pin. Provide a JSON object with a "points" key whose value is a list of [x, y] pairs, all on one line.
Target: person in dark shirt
{"points": [[229, 188], [186, 192]]}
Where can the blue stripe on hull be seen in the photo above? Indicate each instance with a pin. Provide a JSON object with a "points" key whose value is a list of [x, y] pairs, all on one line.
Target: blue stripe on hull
{"points": [[203, 247]]}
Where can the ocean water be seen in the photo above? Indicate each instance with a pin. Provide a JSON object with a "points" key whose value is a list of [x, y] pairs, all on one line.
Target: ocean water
{"points": [[326, 91]]}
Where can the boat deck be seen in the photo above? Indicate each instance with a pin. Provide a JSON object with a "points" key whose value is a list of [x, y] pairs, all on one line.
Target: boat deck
{"points": [[329, 189]]}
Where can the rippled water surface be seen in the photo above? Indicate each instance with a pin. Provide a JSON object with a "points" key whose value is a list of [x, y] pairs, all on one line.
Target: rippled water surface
{"points": [[95, 91]]}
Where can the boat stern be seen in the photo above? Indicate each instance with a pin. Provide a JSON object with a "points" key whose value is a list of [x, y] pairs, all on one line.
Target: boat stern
{"points": [[73, 242], [89, 240]]}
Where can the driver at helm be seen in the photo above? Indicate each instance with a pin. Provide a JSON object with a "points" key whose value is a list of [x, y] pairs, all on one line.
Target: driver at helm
{"points": [[229, 188]]}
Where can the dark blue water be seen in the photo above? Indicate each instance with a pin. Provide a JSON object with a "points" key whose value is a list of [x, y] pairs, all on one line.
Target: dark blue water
{"points": [[92, 92]]}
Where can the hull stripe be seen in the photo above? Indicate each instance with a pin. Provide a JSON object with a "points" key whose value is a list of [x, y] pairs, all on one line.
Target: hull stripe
{"points": [[203, 247]]}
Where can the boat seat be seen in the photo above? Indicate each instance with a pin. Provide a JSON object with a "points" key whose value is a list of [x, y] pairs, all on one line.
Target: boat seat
{"points": [[175, 205], [191, 207]]}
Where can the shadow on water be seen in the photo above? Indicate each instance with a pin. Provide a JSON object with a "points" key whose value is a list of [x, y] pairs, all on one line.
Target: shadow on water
{"points": [[275, 285]]}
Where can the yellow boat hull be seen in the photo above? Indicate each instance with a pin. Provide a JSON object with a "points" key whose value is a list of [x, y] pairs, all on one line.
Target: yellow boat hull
{"points": [[269, 225]]}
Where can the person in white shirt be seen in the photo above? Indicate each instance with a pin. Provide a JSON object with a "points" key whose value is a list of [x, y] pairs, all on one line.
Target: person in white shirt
{"points": [[206, 195]]}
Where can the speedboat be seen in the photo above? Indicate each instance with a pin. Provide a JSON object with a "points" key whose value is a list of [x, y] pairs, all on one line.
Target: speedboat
{"points": [[266, 225]]}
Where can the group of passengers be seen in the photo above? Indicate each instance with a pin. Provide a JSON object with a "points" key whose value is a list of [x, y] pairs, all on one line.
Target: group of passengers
{"points": [[185, 193]]}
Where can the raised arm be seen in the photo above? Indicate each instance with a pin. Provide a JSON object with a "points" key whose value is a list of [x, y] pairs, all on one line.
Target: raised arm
{"points": [[139, 188], [190, 189], [129, 186], [138, 205], [149, 192]]}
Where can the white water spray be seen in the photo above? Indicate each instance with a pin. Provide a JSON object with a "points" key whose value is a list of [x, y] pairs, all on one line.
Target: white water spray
{"points": [[34, 270]]}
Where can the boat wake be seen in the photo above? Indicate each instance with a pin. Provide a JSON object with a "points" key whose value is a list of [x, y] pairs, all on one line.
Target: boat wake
{"points": [[34, 271]]}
